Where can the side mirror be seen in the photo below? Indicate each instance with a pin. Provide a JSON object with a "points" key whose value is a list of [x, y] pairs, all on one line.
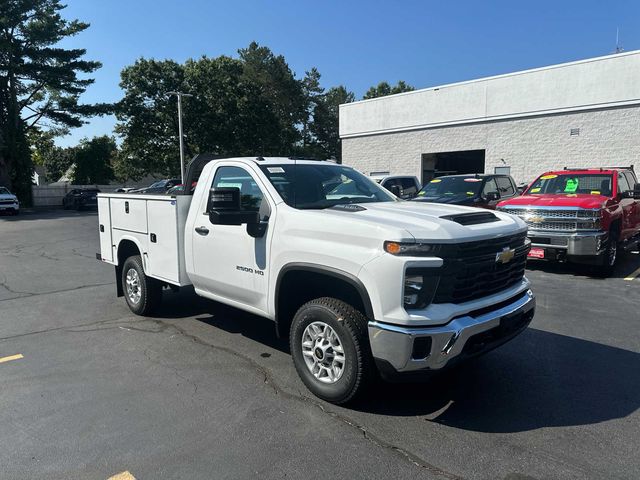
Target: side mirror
{"points": [[635, 194], [224, 208], [396, 190], [492, 196]]}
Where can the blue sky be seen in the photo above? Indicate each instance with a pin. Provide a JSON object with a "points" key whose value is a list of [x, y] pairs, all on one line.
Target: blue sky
{"points": [[354, 43]]}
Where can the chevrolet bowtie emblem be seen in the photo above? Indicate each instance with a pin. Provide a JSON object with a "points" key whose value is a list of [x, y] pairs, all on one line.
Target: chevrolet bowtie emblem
{"points": [[534, 218], [506, 255]]}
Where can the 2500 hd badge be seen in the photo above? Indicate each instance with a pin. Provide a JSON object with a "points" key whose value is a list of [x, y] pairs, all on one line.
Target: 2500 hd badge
{"points": [[249, 270]]}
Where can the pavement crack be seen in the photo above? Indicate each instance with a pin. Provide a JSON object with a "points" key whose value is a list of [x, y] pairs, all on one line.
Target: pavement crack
{"points": [[278, 390], [37, 294]]}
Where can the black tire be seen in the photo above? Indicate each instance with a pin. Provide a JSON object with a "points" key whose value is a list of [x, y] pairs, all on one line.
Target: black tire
{"points": [[149, 289], [350, 326], [610, 256]]}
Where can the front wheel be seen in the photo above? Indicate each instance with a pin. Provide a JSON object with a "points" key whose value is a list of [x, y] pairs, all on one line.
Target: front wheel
{"points": [[330, 349], [610, 256], [142, 293]]}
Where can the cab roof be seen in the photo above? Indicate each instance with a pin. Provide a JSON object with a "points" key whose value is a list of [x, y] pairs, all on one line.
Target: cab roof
{"points": [[280, 160], [583, 171]]}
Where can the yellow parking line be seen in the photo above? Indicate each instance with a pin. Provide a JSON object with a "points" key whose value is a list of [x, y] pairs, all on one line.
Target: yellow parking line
{"points": [[633, 275], [12, 357], [122, 476]]}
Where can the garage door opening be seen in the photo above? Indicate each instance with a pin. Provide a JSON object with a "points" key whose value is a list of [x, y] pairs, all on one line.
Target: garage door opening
{"points": [[451, 163]]}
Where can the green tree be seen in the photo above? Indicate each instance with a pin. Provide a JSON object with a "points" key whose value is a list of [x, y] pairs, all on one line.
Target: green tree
{"points": [[148, 123], [383, 89], [93, 159], [39, 83], [251, 105], [325, 122], [313, 96], [44, 152]]}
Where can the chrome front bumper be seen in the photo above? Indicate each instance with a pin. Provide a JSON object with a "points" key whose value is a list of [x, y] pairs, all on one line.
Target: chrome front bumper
{"points": [[577, 244], [394, 344]]}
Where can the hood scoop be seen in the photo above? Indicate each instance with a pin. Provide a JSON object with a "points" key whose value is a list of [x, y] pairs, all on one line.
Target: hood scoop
{"points": [[349, 207], [472, 218]]}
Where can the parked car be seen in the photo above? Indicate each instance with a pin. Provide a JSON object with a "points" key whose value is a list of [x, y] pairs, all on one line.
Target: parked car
{"points": [[80, 198], [159, 187], [581, 215], [402, 186], [179, 188], [359, 282], [8, 202], [477, 190], [124, 189]]}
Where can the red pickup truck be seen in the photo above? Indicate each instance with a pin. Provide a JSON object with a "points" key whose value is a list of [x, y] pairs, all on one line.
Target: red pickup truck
{"points": [[580, 215]]}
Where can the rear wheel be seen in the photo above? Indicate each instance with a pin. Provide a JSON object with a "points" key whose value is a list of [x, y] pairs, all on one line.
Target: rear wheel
{"points": [[330, 349], [142, 293]]}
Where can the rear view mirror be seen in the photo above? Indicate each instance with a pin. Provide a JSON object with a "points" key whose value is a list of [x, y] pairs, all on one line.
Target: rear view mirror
{"points": [[225, 209]]}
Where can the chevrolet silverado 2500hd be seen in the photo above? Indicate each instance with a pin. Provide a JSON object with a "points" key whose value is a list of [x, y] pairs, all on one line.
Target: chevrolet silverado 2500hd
{"points": [[581, 215], [360, 281]]}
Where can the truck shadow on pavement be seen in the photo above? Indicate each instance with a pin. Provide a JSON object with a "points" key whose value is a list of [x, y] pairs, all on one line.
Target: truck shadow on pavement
{"points": [[628, 262], [541, 379], [187, 304]]}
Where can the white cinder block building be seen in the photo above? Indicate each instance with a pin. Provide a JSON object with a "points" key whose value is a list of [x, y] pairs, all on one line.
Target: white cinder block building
{"points": [[584, 113]]}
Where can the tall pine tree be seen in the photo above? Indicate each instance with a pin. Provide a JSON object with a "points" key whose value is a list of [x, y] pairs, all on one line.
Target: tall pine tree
{"points": [[39, 83]]}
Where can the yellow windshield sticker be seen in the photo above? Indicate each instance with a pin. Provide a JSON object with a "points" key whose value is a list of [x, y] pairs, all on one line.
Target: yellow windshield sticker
{"points": [[595, 192], [421, 193], [547, 177], [571, 185], [535, 190], [470, 193], [435, 180]]}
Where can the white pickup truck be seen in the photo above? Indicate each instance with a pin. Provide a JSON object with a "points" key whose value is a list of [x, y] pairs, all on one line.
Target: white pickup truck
{"points": [[360, 281]]}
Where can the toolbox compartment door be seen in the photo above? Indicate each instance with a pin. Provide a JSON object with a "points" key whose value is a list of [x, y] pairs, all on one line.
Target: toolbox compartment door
{"points": [[163, 246], [129, 214], [106, 241]]}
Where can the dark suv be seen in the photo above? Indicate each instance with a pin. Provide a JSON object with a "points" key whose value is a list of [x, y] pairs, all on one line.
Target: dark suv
{"points": [[80, 198], [475, 190]]}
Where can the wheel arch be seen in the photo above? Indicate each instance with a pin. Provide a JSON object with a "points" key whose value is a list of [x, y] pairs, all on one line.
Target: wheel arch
{"points": [[298, 283]]}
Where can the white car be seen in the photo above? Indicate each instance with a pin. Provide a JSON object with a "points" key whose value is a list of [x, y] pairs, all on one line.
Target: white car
{"points": [[359, 280], [8, 202]]}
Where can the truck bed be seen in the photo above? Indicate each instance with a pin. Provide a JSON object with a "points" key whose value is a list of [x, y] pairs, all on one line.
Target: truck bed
{"points": [[155, 223]]}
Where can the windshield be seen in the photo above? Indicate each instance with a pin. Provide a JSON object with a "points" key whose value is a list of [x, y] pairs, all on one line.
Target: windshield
{"points": [[307, 186], [590, 184], [158, 184], [4, 191], [451, 186]]}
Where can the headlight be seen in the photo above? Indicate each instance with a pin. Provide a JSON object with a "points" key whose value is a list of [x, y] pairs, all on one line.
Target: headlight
{"points": [[411, 249], [419, 287]]}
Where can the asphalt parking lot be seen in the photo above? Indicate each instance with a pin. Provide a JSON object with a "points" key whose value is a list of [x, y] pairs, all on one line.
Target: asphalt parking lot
{"points": [[206, 391]]}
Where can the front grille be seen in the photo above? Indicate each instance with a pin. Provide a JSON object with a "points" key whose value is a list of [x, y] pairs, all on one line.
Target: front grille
{"points": [[7, 202], [549, 213], [555, 241], [558, 220], [470, 270]]}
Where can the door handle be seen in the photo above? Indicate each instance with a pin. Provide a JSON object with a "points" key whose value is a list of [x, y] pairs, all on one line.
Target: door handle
{"points": [[202, 231]]}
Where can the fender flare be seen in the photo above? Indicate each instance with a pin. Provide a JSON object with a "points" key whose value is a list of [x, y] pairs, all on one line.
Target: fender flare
{"points": [[349, 278]]}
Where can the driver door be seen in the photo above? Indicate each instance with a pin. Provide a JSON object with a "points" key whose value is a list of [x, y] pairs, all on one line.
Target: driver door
{"points": [[229, 263]]}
